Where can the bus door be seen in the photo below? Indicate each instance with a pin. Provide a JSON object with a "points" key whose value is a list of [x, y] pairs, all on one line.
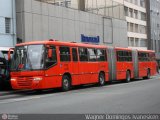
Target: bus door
{"points": [[76, 79], [124, 63], [93, 65], [121, 62], [52, 71], [143, 63], [84, 66]]}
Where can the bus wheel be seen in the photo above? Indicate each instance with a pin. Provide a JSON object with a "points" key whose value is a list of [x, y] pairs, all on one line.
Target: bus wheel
{"points": [[66, 84], [148, 74], [101, 79], [128, 77]]}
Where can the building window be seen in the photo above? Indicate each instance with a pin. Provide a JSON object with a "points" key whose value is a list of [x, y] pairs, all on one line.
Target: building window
{"points": [[131, 41], [142, 3], [65, 3], [143, 16], [143, 43], [128, 26], [131, 27], [142, 29], [126, 11], [136, 42], [130, 12], [136, 28], [135, 14], [8, 25]]}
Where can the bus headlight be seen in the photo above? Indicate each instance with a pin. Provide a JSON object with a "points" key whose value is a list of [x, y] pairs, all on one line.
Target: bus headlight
{"points": [[37, 79], [13, 79]]}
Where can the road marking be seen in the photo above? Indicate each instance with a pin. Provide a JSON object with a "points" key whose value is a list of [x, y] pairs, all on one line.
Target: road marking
{"points": [[18, 100]]}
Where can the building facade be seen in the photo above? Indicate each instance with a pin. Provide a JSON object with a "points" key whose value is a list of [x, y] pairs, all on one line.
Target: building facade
{"points": [[153, 13], [7, 23], [72, 20], [136, 17]]}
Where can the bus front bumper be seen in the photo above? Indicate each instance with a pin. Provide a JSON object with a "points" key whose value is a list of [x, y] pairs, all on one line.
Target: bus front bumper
{"points": [[27, 82]]}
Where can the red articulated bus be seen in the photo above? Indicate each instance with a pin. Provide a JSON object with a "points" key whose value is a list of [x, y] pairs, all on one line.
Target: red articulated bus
{"points": [[53, 64]]}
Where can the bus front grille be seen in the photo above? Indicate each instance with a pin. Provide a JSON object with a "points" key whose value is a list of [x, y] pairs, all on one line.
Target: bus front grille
{"points": [[24, 82]]}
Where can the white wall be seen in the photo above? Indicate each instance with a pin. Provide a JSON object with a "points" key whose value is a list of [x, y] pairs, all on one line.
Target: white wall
{"points": [[7, 9]]}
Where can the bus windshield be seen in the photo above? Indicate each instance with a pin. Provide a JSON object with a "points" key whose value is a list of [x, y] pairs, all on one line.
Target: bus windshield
{"points": [[29, 57]]}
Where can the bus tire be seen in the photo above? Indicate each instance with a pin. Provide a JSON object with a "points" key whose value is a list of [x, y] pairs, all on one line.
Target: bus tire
{"points": [[66, 83], [128, 77], [101, 79]]}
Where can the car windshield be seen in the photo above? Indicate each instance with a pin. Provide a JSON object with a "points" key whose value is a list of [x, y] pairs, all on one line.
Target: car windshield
{"points": [[29, 57]]}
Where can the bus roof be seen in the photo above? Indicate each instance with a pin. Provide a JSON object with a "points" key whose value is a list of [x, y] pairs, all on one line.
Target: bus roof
{"points": [[74, 44], [60, 43], [120, 48], [130, 49], [146, 51]]}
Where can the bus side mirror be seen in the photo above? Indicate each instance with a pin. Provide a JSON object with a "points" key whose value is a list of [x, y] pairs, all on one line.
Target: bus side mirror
{"points": [[50, 53], [9, 53]]}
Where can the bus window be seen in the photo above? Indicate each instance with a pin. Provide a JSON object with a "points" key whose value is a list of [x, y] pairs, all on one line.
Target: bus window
{"points": [[101, 55], [124, 56], [51, 60], [119, 54], [152, 57], [83, 54], [74, 54], [143, 56], [64, 54], [92, 55]]}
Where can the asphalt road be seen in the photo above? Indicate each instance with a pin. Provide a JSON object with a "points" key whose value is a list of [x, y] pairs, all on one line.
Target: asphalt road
{"points": [[142, 96]]}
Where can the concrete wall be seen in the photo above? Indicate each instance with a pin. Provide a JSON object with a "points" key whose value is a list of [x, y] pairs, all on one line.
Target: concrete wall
{"points": [[7, 9], [42, 21]]}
